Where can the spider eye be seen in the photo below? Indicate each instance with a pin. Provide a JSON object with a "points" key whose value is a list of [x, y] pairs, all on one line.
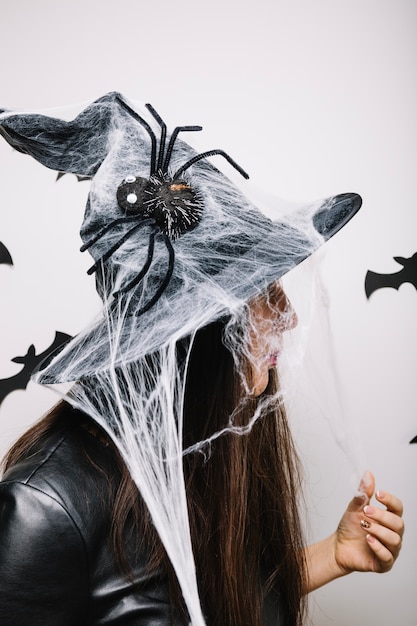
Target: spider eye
{"points": [[131, 194], [132, 198]]}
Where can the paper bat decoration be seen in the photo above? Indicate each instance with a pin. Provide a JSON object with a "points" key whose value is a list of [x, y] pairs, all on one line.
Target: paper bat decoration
{"points": [[79, 178], [29, 361], [414, 440], [5, 257], [408, 274]]}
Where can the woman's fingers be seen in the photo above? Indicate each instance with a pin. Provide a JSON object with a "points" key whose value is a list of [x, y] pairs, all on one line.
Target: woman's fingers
{"points": [[384, 528], [392, 503], [384, 558], [385, 518], [388, 537]]}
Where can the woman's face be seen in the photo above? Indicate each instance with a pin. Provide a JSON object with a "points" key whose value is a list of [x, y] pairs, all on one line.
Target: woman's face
{"points": [[270, 315]]}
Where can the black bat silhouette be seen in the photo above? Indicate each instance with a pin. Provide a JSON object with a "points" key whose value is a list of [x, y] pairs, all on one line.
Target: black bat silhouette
{"points": [[5, 258], [414, 440], [29, 361], [408, 274], [79, 178]]}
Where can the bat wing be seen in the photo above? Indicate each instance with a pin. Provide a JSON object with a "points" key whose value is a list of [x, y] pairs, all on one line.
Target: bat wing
{"points": [[30, 361], [79, 178], [7, 385], [5, 257], [374, 281], [42, 359], [21, 379], [414, 440], [408, 274], [59, 341]]}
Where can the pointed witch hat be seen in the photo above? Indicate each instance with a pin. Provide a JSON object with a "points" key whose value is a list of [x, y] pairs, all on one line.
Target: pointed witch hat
{"points": [[175, 243]]}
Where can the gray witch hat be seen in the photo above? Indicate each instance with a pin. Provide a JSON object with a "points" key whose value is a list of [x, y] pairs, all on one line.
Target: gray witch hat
{"points": [[175, 243]]}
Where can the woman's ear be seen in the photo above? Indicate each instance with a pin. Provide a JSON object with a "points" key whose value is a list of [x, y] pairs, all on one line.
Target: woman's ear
{"points": [[78, 146]]}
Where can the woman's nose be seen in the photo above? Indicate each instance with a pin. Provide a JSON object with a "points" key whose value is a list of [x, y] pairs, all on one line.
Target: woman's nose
{"points": [[292, 317], [288, 317]]}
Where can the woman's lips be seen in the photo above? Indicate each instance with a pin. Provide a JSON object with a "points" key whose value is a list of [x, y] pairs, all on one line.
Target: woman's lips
{"points": [[275, 352], [273, 359]]}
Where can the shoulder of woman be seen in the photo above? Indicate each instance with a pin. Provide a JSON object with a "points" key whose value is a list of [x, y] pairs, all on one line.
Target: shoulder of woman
{"points": [[43, 558], [70, 469]]}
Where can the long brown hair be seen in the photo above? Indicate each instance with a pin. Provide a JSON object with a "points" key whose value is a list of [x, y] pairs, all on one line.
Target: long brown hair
{"points": [[242, 496]]}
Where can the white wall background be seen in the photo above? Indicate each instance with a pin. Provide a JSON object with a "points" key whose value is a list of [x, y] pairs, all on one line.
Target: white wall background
{"points": [[312, 98]]}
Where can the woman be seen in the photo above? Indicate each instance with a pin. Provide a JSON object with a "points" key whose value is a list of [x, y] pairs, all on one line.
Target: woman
{"points": [[183, 358], [242, 500]]}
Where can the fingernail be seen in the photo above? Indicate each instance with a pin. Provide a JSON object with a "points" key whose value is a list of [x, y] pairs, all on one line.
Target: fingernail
{"points": [[370, 539], [365, 523], [368, 510], [380, 494]]}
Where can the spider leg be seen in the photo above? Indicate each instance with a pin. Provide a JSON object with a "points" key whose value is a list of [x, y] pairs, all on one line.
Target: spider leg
{"points": [[145, 125], [103, 231], [163, 135], [114, 247], [164, 283], [144, 269], [204, 155], [172, 140]]}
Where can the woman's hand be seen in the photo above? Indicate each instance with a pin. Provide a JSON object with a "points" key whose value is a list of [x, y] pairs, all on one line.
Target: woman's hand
{"points": [[368, 538]]}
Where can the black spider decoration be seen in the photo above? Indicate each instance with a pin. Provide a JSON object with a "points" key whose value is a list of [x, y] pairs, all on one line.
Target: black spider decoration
{"points": [[164, 200]]}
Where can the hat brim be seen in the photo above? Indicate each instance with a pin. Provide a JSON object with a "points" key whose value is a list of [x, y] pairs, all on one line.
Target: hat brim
{"points": [[284, 247]]}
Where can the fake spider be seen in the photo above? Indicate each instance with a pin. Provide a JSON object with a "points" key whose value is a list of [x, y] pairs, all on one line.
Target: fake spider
{"points": [[164, 200]]}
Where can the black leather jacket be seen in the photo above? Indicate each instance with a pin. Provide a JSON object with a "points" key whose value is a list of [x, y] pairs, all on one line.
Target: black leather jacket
{"points": [[56, 564]]}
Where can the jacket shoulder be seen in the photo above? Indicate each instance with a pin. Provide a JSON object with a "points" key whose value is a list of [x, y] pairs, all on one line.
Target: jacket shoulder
{"points": [[71, 468], [56, 505], [37, 532]]}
